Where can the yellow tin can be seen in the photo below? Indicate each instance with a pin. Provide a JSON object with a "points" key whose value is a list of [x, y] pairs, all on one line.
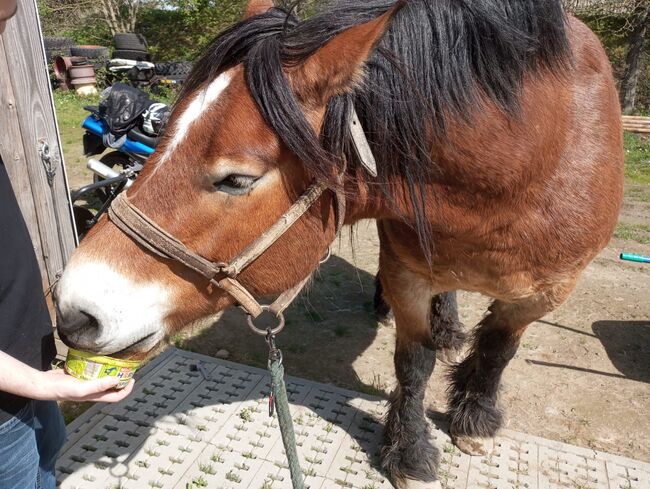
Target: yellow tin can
{"points": [[87, 366]]}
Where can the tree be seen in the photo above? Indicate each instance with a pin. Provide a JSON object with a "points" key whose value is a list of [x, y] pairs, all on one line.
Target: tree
{"points": [[91, 19], [120, 15], [635, 55], [632, 18]]}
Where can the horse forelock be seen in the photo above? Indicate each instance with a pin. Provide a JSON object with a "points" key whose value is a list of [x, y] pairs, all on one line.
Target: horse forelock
{"points": [[438, 61]]}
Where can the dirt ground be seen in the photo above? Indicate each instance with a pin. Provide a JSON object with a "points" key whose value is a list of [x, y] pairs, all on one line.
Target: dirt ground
{"points": [[581, 375]]}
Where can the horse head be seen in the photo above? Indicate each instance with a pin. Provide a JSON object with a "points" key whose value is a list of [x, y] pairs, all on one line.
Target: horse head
{"points": [[219, 179]]}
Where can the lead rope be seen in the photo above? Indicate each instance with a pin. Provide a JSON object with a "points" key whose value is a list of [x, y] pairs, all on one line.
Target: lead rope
{"points": [[279, 399]]}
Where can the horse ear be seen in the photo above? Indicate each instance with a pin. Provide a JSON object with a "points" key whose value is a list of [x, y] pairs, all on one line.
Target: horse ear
{"points": [[257, 7], [335, 67]]}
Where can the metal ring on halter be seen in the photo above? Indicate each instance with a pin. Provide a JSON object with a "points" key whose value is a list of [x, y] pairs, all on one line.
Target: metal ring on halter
{"points": [[264, 332], [327, 256]]}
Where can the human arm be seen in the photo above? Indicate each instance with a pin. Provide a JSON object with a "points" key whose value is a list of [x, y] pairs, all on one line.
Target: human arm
{"points": [[20, 379]]}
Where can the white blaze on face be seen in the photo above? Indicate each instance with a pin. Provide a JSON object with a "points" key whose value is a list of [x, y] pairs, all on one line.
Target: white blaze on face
{"points": [[126, 311], [195, 109]]}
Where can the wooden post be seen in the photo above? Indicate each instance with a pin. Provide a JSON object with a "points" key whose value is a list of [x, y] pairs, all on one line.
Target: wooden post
{"points": [[28, 134]]}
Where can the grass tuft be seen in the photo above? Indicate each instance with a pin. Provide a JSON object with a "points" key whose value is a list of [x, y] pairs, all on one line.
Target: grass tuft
{"points": [[637, 159], [633, 232]]}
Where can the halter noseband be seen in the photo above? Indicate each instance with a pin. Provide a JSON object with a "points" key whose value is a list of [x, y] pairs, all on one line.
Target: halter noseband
{"points": [[141, 229]]}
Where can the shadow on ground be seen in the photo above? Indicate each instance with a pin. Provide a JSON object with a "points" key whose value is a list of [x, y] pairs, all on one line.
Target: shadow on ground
{"points": [[627, 344], [327, 329]]}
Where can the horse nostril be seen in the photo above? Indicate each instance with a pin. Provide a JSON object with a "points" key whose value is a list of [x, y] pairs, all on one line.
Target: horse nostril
{"points": [[75, 321]]}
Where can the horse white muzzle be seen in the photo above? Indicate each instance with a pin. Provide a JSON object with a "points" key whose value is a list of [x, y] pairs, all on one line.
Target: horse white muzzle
{"points": [[103, 311]]}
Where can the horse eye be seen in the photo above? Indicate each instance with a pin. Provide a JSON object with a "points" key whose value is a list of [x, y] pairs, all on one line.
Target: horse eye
{"points": [[236, 184]]}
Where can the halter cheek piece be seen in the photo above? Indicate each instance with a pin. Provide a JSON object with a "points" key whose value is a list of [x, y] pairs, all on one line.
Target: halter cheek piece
{"points": [[141, 229]]}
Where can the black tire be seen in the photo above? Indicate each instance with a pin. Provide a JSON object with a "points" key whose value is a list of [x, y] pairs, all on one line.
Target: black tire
{"points": [[112, 159], [162, 68], [136, 75], [50, 54], [90, 52], [176, 68], [57, 43], [133, 55], [130, 42], [181, 68]]}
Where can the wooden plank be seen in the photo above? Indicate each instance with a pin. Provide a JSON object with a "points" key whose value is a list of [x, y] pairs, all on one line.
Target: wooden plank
{"points": [[13, 155], [25, 58]]}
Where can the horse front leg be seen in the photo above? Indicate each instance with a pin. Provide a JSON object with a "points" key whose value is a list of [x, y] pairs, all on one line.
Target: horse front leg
{"points": [[408, 457], [474, 383]]}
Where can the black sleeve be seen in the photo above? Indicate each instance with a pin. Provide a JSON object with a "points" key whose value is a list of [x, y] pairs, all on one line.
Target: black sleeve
{"points": [[25, 327]]}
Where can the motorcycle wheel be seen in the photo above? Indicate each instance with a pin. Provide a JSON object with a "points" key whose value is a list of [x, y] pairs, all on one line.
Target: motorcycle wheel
{"points": [[112, 159]]}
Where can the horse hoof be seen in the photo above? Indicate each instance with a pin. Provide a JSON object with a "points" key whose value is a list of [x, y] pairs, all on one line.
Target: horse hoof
{"points": [[449, 356], [473, 445], [413, 484]]}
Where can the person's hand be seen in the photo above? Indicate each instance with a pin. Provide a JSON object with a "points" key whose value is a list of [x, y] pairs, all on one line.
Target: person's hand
{"points": [[59, 386], [7, 10]]}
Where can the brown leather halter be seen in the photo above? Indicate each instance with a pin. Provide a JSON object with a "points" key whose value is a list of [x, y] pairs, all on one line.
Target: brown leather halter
{"points": [[141, 229]]}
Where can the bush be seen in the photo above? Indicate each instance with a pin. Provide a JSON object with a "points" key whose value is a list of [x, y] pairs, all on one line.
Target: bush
{"points": [[183, 32]]}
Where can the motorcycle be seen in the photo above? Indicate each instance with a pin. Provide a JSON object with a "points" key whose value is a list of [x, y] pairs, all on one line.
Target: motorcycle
{"points": [[128, 122]]}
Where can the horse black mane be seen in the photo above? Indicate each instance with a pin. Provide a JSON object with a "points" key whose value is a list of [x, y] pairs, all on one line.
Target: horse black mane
{"points": [[438, 59]]}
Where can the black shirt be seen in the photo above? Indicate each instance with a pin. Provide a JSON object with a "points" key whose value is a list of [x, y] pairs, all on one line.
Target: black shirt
{"points": [[25, 326]]}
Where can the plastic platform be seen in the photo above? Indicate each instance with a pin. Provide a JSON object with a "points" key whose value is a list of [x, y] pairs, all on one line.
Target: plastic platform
{"points": [[195, 421]]}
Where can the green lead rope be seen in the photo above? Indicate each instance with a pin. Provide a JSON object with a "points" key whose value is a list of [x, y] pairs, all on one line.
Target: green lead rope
{"points": [[281, 402]]}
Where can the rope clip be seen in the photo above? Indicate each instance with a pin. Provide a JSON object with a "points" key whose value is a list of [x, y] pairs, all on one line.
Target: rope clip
{"points": [[275, 355]]}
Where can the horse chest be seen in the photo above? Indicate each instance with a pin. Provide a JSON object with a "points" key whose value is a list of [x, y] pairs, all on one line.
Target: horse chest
{"points": [[499, 268]]}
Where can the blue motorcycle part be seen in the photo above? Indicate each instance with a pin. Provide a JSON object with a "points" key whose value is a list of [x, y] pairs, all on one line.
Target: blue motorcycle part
{"points": [[99, 127]]}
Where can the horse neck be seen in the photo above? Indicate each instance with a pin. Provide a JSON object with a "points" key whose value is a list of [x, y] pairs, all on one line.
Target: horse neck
{"points": [[370, 201]]}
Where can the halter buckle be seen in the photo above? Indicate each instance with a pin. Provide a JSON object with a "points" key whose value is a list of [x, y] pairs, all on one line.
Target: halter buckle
{"points": [[226, 269], [267, 331]]}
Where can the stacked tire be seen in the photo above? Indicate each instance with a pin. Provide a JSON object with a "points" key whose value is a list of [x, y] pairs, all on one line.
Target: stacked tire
{"points": [[130, 46], [97, 55], [57, 46]]}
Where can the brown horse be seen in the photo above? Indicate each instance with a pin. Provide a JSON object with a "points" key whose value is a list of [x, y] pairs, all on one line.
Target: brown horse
{"points": [[496, 131]]}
